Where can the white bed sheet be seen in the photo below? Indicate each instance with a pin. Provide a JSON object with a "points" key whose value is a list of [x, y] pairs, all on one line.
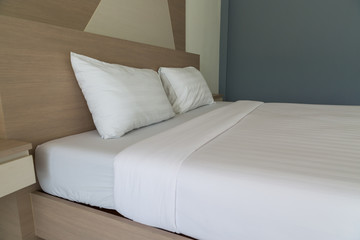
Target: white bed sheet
{"points": [[80, 167], [284, 171]]}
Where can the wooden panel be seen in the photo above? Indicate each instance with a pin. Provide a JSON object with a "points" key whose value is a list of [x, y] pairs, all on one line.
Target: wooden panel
{"points": [[65, 13], [177, 14], [41, 99], [25, 212], [9, 218], [52, 215], [16, 218], [2, 121]]}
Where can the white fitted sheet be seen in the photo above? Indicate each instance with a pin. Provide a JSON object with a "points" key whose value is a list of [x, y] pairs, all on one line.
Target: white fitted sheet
{"points": [[80, 167]]}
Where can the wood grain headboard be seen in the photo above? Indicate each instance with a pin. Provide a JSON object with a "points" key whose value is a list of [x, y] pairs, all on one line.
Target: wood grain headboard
{"points": [[40, 99]]}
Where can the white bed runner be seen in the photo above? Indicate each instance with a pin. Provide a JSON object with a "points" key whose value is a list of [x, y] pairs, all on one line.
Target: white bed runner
{"points": [[146, 173]]}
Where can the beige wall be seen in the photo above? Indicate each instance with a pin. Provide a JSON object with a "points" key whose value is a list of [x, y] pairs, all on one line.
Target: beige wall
{"points": [[145, 21], [203, 37]]}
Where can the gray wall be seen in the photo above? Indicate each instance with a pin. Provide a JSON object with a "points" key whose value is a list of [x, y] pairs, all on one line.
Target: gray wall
{"points": [[305, 51], [224, 24]]}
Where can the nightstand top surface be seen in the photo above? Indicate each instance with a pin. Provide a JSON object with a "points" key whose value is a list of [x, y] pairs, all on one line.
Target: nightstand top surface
{"points": [[8, 147]]}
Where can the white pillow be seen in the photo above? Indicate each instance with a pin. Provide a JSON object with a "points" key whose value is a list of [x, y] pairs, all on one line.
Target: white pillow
{"points": [[120, 98], [186, 88]]}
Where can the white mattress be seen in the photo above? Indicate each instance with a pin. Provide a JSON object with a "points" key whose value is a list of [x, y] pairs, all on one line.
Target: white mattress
{"points": [[80, 167]]}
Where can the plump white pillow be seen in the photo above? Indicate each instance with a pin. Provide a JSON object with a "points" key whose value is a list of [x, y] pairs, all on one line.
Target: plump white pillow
{"points": [[186, 88], [120, 98]]}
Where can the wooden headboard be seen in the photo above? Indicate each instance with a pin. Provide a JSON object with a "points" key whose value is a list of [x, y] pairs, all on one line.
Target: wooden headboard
{"points": [[40, 99]]}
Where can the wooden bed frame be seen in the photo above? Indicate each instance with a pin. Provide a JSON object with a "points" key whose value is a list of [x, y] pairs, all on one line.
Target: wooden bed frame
{"points": [[40, 100]]}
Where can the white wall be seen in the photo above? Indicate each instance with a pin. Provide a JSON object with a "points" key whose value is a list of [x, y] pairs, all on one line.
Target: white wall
{"points": [[135, 20], [149, 22], [203, 37]]}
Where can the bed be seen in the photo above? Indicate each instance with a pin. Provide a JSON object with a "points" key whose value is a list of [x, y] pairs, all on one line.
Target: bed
{"points": [[291, 170], [245, 170], [87, 161]]}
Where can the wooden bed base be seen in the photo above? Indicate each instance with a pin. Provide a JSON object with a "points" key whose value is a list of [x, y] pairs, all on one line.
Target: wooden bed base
{"points": [[59, 219], [40, 100]]}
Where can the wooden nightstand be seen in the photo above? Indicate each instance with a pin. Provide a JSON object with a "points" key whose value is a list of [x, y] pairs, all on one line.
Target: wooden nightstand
{"points": [[217, 97], [16, 166], [17, 178]]}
